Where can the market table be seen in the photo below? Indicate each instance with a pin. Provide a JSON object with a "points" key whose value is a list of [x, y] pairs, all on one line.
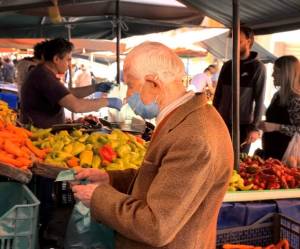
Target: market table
{"points": [[243, 208]]}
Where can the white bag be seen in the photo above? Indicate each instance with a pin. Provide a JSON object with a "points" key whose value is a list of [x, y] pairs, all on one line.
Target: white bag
{"points": [[291, 156]]}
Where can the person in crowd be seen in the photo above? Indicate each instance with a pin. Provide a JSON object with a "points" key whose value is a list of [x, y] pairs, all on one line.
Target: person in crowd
{"points": [[8, 70], [43, 98], [82, 77], [25, 65], [283, 114], [252, 91], [22, 69], [202, 81], [1, 66], [174, 199]]}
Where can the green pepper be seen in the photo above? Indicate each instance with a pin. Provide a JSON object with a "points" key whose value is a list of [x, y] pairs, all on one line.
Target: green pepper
{"points": [[40, 133], [77, 148], [83, 138], [77, 133], [58, 146], [123, 150]]}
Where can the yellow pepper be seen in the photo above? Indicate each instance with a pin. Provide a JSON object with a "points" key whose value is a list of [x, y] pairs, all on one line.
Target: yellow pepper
{"points": [[96, 162], [86, 158]]}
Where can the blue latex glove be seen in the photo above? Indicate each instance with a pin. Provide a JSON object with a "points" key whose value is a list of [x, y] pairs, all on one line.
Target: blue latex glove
{"points": [[104, 87], [115, 103]]}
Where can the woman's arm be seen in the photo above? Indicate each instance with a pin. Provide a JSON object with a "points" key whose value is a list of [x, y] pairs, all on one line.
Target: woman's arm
{"points": [[294, 114]]}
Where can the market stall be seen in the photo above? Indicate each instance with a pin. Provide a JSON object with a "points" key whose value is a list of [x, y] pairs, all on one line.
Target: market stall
{"points": [[229, 197]]}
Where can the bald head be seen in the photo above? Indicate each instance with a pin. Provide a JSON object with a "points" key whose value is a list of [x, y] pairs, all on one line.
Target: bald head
{"points": [[153, 58]]}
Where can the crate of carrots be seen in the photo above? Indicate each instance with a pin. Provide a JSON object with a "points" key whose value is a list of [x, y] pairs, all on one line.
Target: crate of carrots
{"points": [[273, 231], [17, 152]]}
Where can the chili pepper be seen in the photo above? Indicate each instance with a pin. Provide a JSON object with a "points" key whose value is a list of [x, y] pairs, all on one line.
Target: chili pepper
{"points": [[107, 153]]}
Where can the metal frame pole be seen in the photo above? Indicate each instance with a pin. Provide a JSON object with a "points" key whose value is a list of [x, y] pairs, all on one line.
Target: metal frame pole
{"points": [[70, 83], [236, 81], [118, 35]]}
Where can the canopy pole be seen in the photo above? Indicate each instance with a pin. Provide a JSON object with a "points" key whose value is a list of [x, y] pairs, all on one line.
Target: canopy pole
{"points": [[118, 35], [236, 81], [70, 83]]}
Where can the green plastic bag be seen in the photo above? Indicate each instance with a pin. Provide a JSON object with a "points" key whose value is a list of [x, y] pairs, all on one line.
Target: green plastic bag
{"points": [[84, 233]]}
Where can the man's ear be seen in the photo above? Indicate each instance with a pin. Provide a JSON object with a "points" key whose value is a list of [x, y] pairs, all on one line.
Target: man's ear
{"points": [[153, 80], [55, 59]]}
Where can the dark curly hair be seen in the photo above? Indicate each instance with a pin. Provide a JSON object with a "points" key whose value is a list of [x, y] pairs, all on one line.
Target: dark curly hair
{"points": [[57, 47], [38, 50]]}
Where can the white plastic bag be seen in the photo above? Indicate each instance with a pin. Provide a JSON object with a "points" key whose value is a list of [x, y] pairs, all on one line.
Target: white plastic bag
{"points": [[291, 156]]}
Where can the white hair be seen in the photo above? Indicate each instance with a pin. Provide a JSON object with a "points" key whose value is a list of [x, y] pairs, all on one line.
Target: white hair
{"points": [[157, 59]]}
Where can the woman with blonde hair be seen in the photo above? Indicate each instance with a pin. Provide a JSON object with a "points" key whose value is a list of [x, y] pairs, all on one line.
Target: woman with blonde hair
{"points": [[283, 114]]}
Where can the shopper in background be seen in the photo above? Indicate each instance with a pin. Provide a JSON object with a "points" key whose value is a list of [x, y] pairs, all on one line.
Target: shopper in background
{"points": [[8, 70], [1, 66], [252, 91], [174, 199], [82, 77], [25, 65], [202, 82], [283, 114]]}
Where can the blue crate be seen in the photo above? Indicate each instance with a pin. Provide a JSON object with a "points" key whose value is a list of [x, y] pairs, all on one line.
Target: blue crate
{"points": [[267, 230], [11, 99], [18, 216]]}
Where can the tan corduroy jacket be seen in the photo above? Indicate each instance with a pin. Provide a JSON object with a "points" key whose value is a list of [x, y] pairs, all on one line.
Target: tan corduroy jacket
{"points": [[173, 201]]}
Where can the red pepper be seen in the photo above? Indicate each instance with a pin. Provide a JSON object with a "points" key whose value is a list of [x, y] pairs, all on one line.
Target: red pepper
{"points": [[139, 140], [107, 153]]}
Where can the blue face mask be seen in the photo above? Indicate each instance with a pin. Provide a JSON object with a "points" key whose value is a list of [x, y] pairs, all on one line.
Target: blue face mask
{"points": [[146, 111]]}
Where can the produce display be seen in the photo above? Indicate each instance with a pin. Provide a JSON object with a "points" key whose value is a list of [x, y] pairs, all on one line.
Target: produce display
{"points": [[115, 151], [89, 120], [258, 174], [268, 174], [283, 244], [237, 183], [16, 149], [7, 115]]}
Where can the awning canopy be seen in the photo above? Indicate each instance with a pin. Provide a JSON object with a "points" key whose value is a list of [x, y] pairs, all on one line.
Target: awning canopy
{"points": [[89, 45], [93, 18], [221, 47], [264, 17]]}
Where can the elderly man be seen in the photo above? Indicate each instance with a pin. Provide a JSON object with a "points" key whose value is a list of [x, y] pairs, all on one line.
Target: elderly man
{"points": [[174, 199]]}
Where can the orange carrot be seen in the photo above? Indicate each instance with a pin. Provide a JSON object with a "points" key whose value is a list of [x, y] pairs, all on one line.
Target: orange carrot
{"points": [[39, 153], [12, 148], [7, 160], [73, 162], [25, 161]]}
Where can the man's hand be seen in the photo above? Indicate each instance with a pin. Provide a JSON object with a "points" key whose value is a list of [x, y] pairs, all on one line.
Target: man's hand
{"points": [[253, 136], [84, 193], [269, 127], [104, 87], [94, 176]]}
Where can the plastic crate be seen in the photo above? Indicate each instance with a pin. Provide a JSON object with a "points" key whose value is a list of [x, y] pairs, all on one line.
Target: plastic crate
{"points": [[64, 195], [268, 230], [11, 99], [18, 216]]}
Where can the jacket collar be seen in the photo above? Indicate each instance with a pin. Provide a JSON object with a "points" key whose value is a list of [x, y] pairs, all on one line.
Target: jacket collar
{"points": [[180, 113]]}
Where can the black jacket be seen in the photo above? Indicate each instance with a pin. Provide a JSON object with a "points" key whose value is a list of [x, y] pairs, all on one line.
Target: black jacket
{"points": [[252, 91]]}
